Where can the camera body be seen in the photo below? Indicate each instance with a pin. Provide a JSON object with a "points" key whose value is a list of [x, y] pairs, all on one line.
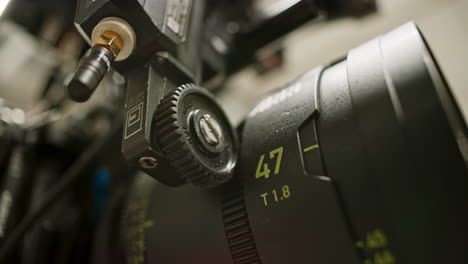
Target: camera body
{"points": [[166, 54]]}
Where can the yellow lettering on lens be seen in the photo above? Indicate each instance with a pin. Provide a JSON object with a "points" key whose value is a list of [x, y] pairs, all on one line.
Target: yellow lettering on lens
{"points": [[265, 200], [286, 191], [279, 153], [262, 167], [262, 173], [275, 195]]}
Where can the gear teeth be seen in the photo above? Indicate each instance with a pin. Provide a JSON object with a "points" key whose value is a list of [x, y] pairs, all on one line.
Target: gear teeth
{"points": [[237, 228], [171, 140]]}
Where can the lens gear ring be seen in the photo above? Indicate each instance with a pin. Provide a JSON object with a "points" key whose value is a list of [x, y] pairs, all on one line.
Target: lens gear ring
{"points": [[180, 119]]}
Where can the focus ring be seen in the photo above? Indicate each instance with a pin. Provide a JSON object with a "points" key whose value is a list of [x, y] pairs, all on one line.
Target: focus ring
{"points": [[237, 228]]}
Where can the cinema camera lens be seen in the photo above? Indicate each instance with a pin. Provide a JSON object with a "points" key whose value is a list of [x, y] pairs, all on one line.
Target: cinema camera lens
{"points": [[359, 161]]}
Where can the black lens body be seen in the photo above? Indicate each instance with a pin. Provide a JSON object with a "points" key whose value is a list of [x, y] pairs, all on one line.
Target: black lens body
{"points": [[356, 162]]}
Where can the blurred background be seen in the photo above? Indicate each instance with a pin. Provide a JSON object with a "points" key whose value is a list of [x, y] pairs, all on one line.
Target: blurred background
{"points": [[443, 22], [39, 45]]}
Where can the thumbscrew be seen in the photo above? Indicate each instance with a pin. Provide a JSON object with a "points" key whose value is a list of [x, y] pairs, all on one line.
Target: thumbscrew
{"points": [[94, 66]]}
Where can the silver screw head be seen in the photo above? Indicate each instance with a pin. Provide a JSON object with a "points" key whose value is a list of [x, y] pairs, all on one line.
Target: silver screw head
{"points": [[210, 130]]}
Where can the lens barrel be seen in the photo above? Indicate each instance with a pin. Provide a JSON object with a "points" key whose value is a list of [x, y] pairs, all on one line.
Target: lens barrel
{"points": [[357, 162]]}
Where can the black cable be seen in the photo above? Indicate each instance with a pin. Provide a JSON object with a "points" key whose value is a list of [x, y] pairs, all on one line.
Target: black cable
{"points": [[65, 182]]}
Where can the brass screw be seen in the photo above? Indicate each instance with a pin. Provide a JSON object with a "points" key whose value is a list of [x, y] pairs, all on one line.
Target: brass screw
{"points": [[111, 41]]}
